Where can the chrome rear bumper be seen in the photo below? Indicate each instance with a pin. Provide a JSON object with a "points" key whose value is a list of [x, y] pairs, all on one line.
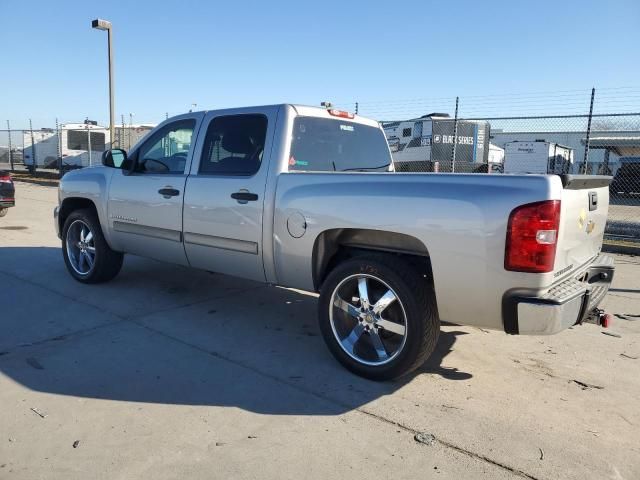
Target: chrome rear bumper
{"points": [[570, 302]]}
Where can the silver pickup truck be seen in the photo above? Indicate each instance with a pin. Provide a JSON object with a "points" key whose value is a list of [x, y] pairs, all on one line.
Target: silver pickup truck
{"points": [[305, 197]]}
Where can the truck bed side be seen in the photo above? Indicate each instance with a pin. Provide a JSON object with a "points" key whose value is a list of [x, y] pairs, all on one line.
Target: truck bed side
{"points": [[460, 220]]}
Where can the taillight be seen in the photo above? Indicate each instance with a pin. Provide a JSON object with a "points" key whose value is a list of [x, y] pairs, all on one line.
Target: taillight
{"points": [[340, 113], [532, 236], [5, 178]]}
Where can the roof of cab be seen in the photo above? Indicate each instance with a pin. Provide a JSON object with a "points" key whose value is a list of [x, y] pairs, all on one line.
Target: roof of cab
{"points": [[309, 111]]}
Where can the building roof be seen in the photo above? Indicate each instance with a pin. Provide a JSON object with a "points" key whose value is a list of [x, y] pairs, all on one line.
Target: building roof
{"points": [[622, 146]]}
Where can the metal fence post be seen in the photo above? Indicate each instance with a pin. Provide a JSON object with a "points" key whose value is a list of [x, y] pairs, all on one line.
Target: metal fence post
{"points": [[33, 149], [586, 143], [59, 149], [121, 132], [356, 108], [89, 139], [455, 138], [10, 152]]}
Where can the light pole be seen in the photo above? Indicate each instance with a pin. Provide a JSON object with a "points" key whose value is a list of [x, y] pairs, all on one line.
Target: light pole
{"points": [[100, 24]]}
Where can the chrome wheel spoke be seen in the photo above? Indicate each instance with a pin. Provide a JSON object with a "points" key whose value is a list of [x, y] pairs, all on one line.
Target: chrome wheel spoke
{"points": [[81, 262], [376, 341], [346, 307], [89, 237], [88, 259], [392, 327], [363, 291], [350, 341], [386, 300], [91, 250]]}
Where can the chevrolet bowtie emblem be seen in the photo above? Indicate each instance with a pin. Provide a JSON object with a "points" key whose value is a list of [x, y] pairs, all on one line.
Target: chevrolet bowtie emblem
{"points": [[582, 218]]}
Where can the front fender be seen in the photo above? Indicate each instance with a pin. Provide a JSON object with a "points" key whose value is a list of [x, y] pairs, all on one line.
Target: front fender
{"points": [[90, 184]]}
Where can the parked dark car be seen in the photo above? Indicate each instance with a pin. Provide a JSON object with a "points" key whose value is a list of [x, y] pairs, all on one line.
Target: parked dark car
{"points": [[626, 181], [7, 193]]}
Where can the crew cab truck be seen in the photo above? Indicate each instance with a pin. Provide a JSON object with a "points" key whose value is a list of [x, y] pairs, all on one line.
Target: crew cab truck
{"points": [[303, 197]]}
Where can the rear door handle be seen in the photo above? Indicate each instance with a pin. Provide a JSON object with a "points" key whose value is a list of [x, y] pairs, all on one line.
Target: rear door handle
{"points": [[167, 192], [244, 197]]}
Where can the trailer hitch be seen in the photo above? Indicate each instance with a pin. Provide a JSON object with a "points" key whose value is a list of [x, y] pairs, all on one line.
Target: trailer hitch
{"points": [[599, 317]]}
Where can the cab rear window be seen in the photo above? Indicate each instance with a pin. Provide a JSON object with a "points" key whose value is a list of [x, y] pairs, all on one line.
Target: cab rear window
{"points": [[324, 144]]}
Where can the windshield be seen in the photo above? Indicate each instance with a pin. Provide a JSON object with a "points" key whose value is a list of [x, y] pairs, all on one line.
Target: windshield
{"points": [[323, 144]]}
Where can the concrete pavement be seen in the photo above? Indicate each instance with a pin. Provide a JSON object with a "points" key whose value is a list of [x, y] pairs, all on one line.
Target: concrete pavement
{"points": [[170, 372]]}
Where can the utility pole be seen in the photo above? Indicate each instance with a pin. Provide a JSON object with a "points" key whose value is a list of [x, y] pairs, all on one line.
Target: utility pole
{"points": [[100, 24]]}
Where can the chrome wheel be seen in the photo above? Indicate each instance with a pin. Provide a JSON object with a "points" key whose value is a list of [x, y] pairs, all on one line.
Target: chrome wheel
{"points": [[80, 247], [368, 319]]}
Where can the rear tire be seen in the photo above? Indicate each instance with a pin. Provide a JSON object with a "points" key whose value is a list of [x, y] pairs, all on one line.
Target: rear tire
{"points": [[3, 211], [372, 337], [88, 257]]}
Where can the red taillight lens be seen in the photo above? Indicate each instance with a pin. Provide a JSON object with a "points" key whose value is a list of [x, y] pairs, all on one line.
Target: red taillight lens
{"points": [[5, 178], [532, 235], [340, 113]]}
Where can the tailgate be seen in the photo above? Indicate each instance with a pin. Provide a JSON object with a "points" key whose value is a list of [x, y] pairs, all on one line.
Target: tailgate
{"points": [[583, 215]]}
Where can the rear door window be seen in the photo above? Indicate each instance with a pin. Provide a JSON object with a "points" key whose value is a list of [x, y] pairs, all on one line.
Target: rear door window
{"points": [[325, 144], [234, 145]]}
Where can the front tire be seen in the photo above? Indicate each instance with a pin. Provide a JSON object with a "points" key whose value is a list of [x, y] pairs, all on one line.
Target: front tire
{"points": [[88, 257], [378, 316]]}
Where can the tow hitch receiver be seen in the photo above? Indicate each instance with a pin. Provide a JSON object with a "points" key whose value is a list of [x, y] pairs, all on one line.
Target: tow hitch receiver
{"points": [[599, 317]]}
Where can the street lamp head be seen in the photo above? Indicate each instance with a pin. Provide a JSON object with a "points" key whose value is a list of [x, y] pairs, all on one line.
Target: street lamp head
{"points": [[100, 24]]}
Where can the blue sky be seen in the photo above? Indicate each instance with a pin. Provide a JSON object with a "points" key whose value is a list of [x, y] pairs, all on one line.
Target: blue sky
{"points": [[383, 54]]}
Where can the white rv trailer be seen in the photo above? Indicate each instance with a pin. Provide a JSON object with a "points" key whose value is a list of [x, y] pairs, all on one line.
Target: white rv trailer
{"points": [[496, 155], [80, 145], [426, 143], [537, 157]]}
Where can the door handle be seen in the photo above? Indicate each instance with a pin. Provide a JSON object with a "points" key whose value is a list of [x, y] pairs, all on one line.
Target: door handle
{"points": [[244, 196], [169, 192]]}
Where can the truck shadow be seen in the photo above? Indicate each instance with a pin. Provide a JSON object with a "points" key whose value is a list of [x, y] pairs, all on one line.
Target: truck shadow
{"points": [[165, 334]]}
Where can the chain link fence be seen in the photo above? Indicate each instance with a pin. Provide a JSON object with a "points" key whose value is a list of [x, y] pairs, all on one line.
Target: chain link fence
{"points": [[569, 144], [463, 141], [64, 147]]}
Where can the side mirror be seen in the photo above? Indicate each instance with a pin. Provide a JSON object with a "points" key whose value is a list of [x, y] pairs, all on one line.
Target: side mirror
{"points": [[115, 158]]}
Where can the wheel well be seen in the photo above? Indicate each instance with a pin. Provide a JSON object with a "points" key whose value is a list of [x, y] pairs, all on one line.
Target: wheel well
{"points": [[334, 246], [72, 204]]}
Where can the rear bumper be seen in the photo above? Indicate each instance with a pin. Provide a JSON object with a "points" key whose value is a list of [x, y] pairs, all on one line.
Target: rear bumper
{"points": [[567, 303], [7, 202]]}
